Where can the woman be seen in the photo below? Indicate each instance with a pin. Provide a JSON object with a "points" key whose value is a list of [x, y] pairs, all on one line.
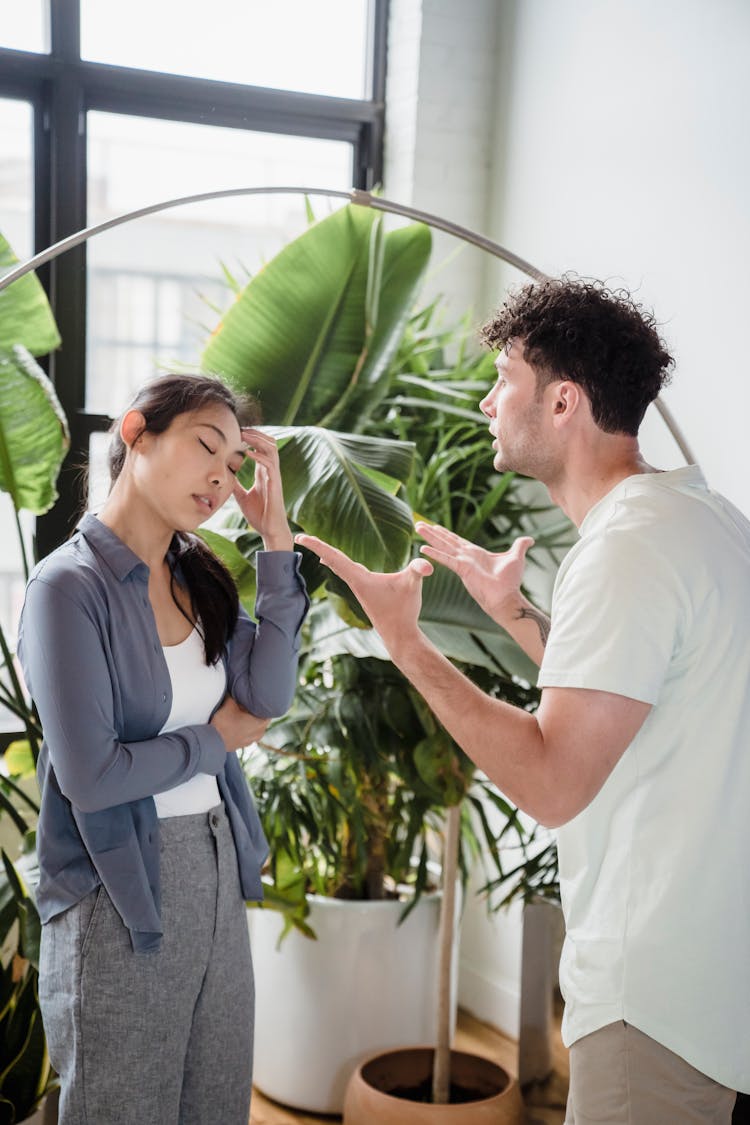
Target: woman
{"points": [[147, 676]]}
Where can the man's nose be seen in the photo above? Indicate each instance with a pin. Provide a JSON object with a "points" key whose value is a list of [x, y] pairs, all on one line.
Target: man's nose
{"points": [[487, 405]]}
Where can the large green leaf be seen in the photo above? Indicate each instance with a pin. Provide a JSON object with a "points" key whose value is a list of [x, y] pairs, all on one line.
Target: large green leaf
{"points": [[398, 271], [313, 332], [25, 315], [334, 489], [33, 432], [223, 544], [451, 619]]}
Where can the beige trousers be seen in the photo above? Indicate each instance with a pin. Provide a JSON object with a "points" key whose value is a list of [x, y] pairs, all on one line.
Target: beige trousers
{"points": [[619, 1076]]}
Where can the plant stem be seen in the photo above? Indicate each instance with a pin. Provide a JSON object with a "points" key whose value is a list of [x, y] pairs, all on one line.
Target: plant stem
{"points": [[441, 1073], [21, 543], [25, 712]]}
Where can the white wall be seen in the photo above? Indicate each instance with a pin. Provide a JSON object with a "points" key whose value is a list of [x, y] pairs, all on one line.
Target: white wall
{"points": [[439, 126], [608, 137], [622, 150]]}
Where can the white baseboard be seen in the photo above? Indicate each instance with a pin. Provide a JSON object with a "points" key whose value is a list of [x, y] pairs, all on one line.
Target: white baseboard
{"points": [[494, 1001]]}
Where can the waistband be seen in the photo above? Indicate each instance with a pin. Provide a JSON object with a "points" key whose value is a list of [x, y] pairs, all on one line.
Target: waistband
{"points": [[178, 829]]}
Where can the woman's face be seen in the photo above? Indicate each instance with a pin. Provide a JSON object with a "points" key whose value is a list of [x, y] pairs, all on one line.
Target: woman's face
{"points": [[186, 473]]}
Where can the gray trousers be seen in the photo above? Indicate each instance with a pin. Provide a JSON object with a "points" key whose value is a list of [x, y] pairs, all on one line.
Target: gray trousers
{"points": [[160, 1038]]}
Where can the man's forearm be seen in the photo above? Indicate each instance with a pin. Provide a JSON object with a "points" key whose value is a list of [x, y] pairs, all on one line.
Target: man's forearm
{"points": [[505, 742], [527, 625]]}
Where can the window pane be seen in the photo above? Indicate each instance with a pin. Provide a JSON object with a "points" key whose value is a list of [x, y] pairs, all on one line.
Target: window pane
{"points": [[16, 175], [16, 204], [24, 25], [154, 284], [98, 473], [287, 44]]}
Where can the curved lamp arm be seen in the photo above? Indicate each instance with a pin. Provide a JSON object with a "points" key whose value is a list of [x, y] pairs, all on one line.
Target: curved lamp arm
{"points": [[356, 196]]}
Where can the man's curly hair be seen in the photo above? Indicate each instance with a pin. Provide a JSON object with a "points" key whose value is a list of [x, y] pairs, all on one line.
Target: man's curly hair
{"points": [[578, 329]]}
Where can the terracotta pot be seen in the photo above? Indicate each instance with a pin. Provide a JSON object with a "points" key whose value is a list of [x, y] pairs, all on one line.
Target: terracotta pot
{"points": [[370, 1101]]}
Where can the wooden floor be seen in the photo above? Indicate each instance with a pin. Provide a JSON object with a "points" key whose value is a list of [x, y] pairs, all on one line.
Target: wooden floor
{"points": [[545, 1103]]}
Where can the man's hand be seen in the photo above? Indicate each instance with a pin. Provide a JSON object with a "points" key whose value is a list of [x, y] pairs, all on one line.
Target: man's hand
{"points": [[552, 763], [493, 580], [237, 726], [391, 601]]}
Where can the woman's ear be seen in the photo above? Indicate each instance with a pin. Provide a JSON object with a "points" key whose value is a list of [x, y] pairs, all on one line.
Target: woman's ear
{"points": [[132, 425]]}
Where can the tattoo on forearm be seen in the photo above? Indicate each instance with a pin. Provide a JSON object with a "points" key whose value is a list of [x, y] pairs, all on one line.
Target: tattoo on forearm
{"points": [[542, 621]]}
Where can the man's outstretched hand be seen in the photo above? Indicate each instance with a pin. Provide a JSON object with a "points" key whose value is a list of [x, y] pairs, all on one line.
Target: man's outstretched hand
{"points": [[391, 601], [493, 580]]}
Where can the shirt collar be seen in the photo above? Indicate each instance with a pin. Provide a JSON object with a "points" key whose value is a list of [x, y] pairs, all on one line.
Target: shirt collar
{"points": [[118, 557]]}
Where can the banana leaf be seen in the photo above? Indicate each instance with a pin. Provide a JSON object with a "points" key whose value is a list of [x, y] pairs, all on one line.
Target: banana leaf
{"points": [[450, 618], [333, 485], [223, 544], [34, 434], [25, 315], [312, 334]]}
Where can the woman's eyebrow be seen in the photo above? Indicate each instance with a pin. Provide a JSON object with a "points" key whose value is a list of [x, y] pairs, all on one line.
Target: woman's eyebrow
{"points": [[222, 435]]}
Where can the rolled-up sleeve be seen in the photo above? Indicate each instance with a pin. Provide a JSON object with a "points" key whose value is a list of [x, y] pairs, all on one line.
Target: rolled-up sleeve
{"points": [[64, 659], [263, 658]]}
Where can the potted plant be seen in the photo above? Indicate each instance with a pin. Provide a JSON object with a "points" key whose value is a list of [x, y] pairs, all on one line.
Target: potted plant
{"points": [[356, 780], [416, 1085], [33, 442]]}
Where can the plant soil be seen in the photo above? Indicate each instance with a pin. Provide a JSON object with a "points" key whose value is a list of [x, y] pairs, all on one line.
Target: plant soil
{"points": [[422, 1092]]}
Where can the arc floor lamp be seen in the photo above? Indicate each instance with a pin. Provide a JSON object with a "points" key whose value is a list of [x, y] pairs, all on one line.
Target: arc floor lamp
{"points": [[355, 196]]}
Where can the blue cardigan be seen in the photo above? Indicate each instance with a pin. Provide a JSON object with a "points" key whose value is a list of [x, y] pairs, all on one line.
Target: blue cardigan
{"points": [[94, 666]]}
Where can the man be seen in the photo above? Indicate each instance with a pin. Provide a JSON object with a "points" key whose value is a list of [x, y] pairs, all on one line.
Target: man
{"points": [[639, 751]]}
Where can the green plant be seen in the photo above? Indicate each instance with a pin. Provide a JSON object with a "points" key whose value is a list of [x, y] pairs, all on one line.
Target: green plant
{"points": [[33, 442], [358, 779], [353, 783]]}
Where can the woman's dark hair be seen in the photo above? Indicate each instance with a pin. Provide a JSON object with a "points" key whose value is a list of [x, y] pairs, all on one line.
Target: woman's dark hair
{"points": [[578, 329], [213, 594]]}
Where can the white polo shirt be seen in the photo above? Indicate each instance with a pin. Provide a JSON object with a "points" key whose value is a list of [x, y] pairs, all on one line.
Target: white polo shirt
{"points": [[653, 603]]}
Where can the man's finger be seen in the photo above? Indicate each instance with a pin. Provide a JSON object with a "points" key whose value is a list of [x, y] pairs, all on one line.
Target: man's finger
{"points": [[437, 535], [330, 556], [318, 546], [311, 542], [446, 560], [421, 567], [520, 546]]}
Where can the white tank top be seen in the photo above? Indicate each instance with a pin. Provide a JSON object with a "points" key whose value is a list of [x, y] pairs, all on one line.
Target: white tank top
{"points": [[196, 689]]}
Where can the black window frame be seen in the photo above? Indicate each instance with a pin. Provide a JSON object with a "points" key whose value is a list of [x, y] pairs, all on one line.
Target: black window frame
{"points": [[62, 88]]}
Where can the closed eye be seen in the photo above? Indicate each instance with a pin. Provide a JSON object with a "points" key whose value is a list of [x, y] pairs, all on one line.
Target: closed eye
{"points": [[207, 449]]}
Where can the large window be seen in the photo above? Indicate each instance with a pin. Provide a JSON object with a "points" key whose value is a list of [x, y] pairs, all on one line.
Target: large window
{"points": [[317, 48], [98, 118], [152, 284], [248, 94]]}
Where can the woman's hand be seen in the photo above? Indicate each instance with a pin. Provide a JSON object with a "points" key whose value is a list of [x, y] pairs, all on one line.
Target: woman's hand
{"points": [[237, 726], [263, 504]]}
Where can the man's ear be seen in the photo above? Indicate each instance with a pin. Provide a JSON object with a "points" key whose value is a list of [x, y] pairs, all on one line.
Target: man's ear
{"points": [[566, 401], [132, 425]]}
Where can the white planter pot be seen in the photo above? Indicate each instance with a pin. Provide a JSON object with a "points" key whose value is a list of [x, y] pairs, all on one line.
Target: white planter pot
{"points": [[322, 1007]]}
